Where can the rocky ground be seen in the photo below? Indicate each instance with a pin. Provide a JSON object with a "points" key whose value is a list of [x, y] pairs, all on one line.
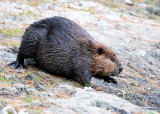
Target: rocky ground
{"points": [[133, 36]]}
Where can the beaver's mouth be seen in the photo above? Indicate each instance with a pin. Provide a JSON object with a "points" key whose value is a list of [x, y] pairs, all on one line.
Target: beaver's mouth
{"points": [[109, 79], [117, 72], [113, 74]]}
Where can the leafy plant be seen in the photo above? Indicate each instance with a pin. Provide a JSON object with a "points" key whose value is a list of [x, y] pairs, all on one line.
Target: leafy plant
{"points": [[53, 81], [28, 99], [87, 84], [1, 78]]}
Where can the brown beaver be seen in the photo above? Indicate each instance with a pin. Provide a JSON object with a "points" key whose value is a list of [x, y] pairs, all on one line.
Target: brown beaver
{"points": [[64, 48]]}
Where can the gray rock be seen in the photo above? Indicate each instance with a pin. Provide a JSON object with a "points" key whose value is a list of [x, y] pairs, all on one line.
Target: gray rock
{"points": [[23, 111], [141, 52], [29, 77], [38, 104], [88, 101], [8, 109], [25, 89], [150, 10], [157, 12], [2, 104], [129, 2], [40, 87]]}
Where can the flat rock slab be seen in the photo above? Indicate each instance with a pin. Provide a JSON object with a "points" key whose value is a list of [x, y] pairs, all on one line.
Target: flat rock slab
{"points": [[135, 40], [84, 100]]}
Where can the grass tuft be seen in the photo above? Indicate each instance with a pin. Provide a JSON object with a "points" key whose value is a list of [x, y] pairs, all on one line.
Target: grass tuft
{"points": [[12, 32], [28, 98]]}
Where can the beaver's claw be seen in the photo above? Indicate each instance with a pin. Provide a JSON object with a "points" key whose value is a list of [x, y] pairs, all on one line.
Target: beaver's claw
{"points": [[16, 64]]}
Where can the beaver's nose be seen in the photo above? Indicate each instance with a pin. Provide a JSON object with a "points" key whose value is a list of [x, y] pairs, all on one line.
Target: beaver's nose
{"points": [[120, 69]]}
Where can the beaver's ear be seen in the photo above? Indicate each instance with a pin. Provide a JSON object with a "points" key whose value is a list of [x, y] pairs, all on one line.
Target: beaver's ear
{"points": [[100, 51]]}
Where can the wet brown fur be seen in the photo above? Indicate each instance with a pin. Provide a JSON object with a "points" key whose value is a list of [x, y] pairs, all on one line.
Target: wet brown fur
{"points": [[103, 64], [64, 48]]}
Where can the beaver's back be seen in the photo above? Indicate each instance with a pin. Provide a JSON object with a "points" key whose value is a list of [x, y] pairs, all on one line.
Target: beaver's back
{"points": [[61, 44]]}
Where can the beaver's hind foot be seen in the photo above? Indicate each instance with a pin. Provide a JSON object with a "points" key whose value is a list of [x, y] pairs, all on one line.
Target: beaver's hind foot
{"points": [[17, 64]]}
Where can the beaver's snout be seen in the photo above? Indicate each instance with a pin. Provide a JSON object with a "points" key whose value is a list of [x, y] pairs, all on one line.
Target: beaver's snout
{"points": [[120, 68]]}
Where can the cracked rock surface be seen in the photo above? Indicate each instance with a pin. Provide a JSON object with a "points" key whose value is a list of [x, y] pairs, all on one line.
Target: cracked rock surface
{"points": [[135, 40]]}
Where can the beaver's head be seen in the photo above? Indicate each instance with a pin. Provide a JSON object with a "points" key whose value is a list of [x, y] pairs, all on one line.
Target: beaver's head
{"points": [[105, 62]]}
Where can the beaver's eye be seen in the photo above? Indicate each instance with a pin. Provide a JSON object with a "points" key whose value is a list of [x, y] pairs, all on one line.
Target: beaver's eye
{"points": [[100, 51], [113, 60]]}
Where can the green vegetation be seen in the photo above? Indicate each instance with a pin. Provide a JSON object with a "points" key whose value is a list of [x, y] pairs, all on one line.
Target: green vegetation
{"points": [[124, 95], [111, 3], [53, 81], [72, 7], [10, 43], [28, 98], [107, 88], [91, 10], [10, 112], [37, 78], [134, 85], [152, 112], [4, 79], [9, 32], [87, 84], [1, 77], [39, 2], [29, 12], [153, 2], [37, 111], [17, 44]]}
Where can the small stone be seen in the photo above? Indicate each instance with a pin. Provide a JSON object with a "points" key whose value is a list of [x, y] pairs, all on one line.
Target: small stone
{"points": [[157, 45], [97, 88], [129, 2], [2, 104], [23, 111], [29, 77], [38, 104], [26, 89], [80, 4], [150, 10], [142, 53], [39, 87], [157, 12]]}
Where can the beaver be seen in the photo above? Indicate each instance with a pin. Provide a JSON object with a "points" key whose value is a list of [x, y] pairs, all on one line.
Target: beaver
{"points": [[63, 48]]}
